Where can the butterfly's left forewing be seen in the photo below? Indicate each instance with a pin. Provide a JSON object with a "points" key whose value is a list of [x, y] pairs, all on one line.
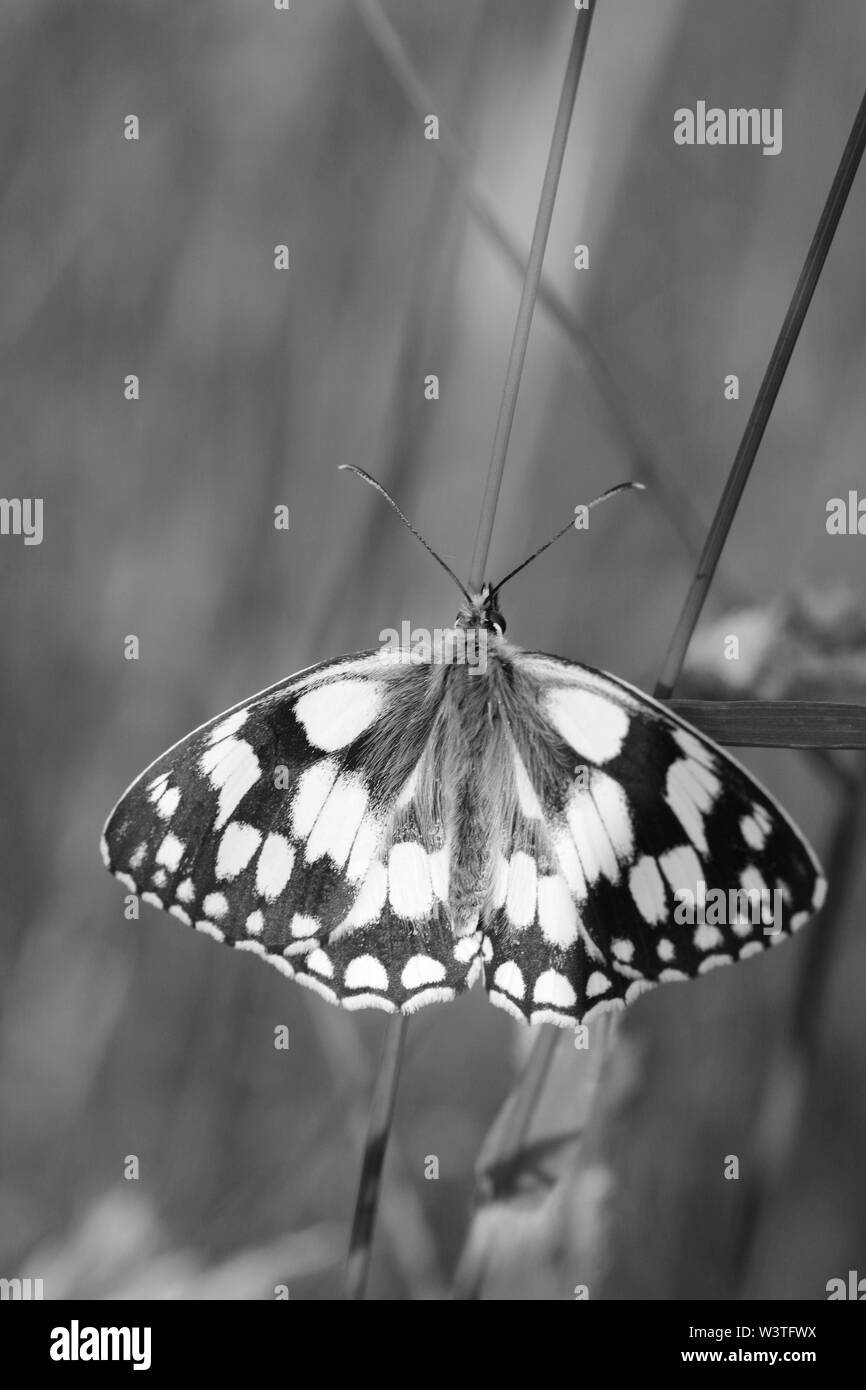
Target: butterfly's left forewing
{"points": [[637, 852], [290, 827]]}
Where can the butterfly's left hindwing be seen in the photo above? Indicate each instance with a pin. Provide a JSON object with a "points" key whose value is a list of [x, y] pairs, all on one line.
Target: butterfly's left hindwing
{"points": [[277, 828], [626, 819]]}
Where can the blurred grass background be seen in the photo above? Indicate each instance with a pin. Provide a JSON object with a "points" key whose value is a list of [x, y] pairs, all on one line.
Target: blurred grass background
{"points": [[156, 257]]}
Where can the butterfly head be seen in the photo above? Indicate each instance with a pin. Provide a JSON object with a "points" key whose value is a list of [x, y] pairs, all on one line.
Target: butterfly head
{"points": [[482, 612]]}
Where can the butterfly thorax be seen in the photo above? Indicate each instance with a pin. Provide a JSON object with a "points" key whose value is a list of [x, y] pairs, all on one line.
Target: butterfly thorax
{"points": [[477, 781]]}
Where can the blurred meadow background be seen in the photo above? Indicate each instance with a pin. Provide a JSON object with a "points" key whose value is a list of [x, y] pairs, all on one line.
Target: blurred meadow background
{"points": [[156, 257]]}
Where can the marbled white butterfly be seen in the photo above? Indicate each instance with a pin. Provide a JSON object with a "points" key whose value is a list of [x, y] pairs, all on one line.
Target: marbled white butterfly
{"points": [[388, 826]]}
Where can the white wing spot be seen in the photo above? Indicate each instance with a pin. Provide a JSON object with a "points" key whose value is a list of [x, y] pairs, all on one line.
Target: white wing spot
{"points": [[335, 714], [752, 832], [168, 803], [569, 862], [682, 869], [152, 899], [255, 923], [409, 886], [209, 929], [318, 961], [592, 724], [364, 850], [637, 988], [648, 890], [185, 891], [440, 995], [304, 926], [228, 726], [557, 914], [597, 984], [588, 831], [422, 970], [510, 978], [274, 867], [712, 962], [311, 793], [180, 914], [370, 901], [237, 847], [520, 899], [693, 748], [369, 1001], [502, 1001], [706, 937], [752, 880], [665, 949], [170, 852], [612, 807], [551, 1016], [310, 982], [255, 946], [623, 950], [232, 768], [751, 948], [467, 949], [215, 905], [300, 948], [338, 821], [366, 972], [690, 792], [552, 987]]}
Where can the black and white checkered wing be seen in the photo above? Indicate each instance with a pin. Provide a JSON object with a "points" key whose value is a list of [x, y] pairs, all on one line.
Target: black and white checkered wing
{"points": [[287, 827], [624, 816]]}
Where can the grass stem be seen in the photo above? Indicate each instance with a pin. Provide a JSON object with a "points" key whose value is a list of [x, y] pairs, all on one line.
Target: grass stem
{"points": [[388, 1077], [528, 297], [764, 402]]}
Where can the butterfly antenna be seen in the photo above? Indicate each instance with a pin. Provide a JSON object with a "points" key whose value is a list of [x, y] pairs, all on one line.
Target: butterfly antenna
{"points": [[351, 468], [611, 492]]}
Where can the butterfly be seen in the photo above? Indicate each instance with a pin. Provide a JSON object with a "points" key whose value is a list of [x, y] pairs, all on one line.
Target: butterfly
{"points": [[387, 827]]}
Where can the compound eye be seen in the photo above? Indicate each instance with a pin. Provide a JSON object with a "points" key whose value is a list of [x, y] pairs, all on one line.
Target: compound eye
{"points": [[497, 622]]}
